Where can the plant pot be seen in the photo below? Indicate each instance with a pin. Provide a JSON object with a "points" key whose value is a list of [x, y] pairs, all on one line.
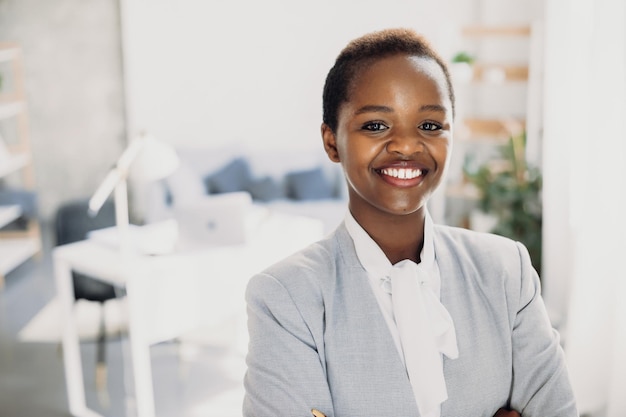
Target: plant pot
{"points": [[482, 222]]}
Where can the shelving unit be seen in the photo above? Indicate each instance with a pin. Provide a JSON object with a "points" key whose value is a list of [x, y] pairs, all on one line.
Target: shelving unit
{"points": [[16, 167], [493, 101], [9, 213]]}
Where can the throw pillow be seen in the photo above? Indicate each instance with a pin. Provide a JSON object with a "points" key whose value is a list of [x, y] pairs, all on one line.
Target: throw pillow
{"points": [[308, 185], [265, 189], [234, 176]]}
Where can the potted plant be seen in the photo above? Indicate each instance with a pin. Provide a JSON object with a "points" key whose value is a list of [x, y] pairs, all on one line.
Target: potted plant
{"points": [[510, 190], [463, 56], [461, 66]]}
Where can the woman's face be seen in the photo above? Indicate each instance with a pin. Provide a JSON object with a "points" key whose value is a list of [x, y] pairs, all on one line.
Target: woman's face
{"points": [[394, 135]]}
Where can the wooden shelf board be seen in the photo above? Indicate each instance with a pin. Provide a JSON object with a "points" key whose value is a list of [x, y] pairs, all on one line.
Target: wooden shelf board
{"points": [[485, 72], [8, 97], [8, 213], [14, 252], [489, 129], [486, 30], [475, 139], [32, 230]]}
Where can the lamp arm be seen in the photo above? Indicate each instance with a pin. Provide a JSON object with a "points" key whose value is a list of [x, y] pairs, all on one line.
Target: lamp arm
{"points": [[130, 153], [118, 173], [104, 190]]}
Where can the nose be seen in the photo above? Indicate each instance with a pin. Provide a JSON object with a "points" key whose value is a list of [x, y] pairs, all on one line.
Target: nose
{"points": [[405, 143]]}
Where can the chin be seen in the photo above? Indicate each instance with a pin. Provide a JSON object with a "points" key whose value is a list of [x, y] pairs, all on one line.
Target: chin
{"points": [[403, 210], [406, 206]]}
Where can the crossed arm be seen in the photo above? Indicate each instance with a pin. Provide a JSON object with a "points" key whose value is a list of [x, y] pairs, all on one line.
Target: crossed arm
{"points": [[503, 412]]}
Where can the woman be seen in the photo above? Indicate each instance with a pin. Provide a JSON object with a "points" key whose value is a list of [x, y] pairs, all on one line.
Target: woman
{"points": [[392, 315]]}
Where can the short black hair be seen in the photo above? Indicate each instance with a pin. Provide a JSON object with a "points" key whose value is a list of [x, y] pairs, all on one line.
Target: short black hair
{"points": [[365, 50]]}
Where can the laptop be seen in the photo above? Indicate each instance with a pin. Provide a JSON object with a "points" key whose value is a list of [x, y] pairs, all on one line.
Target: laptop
{"points": [[215, 220]]}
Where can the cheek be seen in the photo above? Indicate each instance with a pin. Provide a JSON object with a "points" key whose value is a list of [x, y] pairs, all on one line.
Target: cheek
{"points": [[442, 152], [356, 160], [343, 149], [361, 154], [352, 149]]}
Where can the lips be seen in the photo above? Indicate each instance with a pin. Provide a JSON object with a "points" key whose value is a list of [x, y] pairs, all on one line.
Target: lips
{"points": [[402, 174]]}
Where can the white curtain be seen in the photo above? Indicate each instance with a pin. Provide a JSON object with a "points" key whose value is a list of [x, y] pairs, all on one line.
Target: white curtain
{"points": [[585, 195]]}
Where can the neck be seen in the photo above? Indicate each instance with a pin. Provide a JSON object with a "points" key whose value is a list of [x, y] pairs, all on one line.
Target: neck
{"points": [[399, 236]]}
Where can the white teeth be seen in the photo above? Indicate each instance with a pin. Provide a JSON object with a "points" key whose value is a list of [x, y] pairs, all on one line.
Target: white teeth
{"points": [[402, 173]]}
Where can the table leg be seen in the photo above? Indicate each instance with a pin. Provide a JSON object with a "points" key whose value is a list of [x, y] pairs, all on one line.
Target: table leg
{"points": [[71, 343], [140, 350]]}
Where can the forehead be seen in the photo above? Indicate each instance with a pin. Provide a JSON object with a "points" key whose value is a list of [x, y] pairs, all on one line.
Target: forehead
{"points": [[419, 74]]}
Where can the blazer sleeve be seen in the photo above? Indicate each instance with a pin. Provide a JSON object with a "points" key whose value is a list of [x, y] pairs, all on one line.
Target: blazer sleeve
{"points": [[541, 385], [286, 374]]}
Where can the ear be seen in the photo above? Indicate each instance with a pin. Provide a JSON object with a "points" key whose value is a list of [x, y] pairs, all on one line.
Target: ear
{"points": [[330, 143]]}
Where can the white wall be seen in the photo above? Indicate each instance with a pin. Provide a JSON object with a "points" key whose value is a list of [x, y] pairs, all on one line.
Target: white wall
{"points": [[197, 71], [585, 194], [74, 90], [217, 72]]}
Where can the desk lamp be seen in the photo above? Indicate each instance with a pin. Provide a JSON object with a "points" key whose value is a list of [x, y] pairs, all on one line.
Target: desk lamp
{"points": [[151, 160]]}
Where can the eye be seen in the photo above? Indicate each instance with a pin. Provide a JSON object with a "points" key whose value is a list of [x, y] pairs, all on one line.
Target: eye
{"points": [[431, 126], [374, 126]]}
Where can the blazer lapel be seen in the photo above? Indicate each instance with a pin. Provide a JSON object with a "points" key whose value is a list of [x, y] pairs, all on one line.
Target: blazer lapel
{"points": [[371, 340], [358, 286], [454, 296]]}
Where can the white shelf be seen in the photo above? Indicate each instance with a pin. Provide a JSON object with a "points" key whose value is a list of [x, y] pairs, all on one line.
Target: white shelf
{"points": [[16, 251], [15, 247], [8, 213], [11, 108], [13, 163], [8, 54]]}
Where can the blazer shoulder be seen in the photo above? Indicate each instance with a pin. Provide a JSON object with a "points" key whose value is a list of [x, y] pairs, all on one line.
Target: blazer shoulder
{"points": [[487, 254], [306, 274], [298, 286], [315, 260], [475, 243]]}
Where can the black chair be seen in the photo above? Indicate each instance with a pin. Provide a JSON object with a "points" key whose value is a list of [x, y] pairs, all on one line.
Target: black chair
{"points": [[72, 224]]}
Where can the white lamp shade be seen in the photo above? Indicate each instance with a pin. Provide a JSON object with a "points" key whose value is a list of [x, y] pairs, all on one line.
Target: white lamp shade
{"points": [[156, 160], [145, 159]]}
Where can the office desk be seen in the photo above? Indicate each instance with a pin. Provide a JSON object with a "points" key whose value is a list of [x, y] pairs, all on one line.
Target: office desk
{"points": [[169, 295]]}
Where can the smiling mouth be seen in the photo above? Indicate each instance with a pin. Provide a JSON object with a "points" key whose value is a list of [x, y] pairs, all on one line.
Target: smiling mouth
{"points": [[402, 173]]}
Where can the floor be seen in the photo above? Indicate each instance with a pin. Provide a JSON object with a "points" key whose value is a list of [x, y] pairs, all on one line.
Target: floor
{"points": [[189, 379]]}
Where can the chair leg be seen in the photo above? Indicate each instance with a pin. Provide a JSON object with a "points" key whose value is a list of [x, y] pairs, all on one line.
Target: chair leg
{"points": [[101, 367]]}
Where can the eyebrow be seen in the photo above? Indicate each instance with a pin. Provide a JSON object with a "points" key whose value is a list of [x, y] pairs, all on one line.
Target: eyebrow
{"points": [[433, 107], [372, 108]]}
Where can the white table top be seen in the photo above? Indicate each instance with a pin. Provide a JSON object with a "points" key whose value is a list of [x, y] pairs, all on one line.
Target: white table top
{"points": [[188, 289]]}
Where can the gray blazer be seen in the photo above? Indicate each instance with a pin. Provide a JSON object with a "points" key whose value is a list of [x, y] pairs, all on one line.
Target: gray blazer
{"points": [[318, 338]]}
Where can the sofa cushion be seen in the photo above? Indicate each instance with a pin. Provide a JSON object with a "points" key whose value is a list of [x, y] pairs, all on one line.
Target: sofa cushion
{"points": [[234, 176], [310, 184], [265, 189]]}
